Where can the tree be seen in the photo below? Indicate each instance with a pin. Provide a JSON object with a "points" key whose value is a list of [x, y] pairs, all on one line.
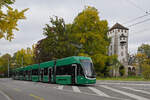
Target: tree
{"points": [[145, 49], [90, 33], [143, 58], [23, 57], [115, 65], [146, 71], [86, 36], [4, 63], [9, 19], [57, 42]]}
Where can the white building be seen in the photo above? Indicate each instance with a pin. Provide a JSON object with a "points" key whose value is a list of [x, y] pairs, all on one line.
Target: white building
{"points": [[119, 43]]}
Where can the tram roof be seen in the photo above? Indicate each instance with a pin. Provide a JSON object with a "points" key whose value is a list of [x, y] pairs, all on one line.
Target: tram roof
{"points": [[59, 62], [70, 60], [47, 64], [35, 66], [19, 69], [28, 67]]}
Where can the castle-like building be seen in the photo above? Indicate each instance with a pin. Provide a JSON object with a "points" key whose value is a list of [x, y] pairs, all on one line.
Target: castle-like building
{"points": [[119, 44]]}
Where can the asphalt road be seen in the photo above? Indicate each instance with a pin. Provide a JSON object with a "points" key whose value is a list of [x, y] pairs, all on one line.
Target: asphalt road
{"points": [[103, 90]]}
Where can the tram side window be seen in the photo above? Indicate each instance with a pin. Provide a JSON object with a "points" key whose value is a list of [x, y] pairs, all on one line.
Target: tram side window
{"points": [[29, 72], [45, 71], [35, 72], [13, 73], [26, 72], [21, 73], [64, 70], [18, 73], [80, 70]]}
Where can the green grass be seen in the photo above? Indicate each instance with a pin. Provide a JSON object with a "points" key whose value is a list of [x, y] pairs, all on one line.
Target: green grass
{"points": [[130, 78]]}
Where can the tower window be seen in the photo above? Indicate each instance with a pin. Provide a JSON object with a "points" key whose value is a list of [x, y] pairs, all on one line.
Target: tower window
{"points": [[123, 60], [124, 38], [121, 53]]}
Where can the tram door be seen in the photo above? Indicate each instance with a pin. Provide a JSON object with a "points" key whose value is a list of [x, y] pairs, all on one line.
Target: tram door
{"points": [[74, 73], [50, 74], [29, 74], [24, 75], [42, 72]]}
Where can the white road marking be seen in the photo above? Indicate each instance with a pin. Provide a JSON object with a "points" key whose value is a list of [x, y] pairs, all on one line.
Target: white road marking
{"points": [[100, 93], [134, 84], [5, 95], [25, 82], [125, 93], [136, 90], [60, 87], [76, 89]]}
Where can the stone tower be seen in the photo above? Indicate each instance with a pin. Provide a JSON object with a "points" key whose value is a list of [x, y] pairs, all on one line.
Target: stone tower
{"points": [[119, 44]]}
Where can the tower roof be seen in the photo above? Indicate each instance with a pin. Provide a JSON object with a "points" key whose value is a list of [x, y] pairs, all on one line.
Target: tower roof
{"points": [[118, 26]]}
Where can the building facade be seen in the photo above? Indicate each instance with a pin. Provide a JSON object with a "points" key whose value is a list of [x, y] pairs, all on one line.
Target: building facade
{"points": [[119, 44]]}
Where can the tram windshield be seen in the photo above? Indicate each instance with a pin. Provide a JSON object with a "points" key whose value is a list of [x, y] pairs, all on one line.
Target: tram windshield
{"points": [[88, 68]]}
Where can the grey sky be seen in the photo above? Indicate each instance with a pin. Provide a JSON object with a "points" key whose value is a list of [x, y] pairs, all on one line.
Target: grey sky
{"points": [[112, 10]]}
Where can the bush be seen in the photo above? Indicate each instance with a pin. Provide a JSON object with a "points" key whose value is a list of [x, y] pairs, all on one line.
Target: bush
{"points": [[146, 71], [131, 73], [122, 71]]}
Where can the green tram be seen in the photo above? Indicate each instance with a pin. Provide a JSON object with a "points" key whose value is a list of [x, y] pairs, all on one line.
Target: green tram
{"points": [[70, 70]]}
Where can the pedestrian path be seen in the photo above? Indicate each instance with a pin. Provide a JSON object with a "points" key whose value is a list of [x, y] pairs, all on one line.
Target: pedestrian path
{"points": [[76, 89], [125, 93], [124, 83], [60, 87], [96, 90], [141, 91], [118, 92]]}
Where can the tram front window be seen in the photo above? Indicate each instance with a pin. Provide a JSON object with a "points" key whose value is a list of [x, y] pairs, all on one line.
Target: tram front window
{"points": [[88, 68]]}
